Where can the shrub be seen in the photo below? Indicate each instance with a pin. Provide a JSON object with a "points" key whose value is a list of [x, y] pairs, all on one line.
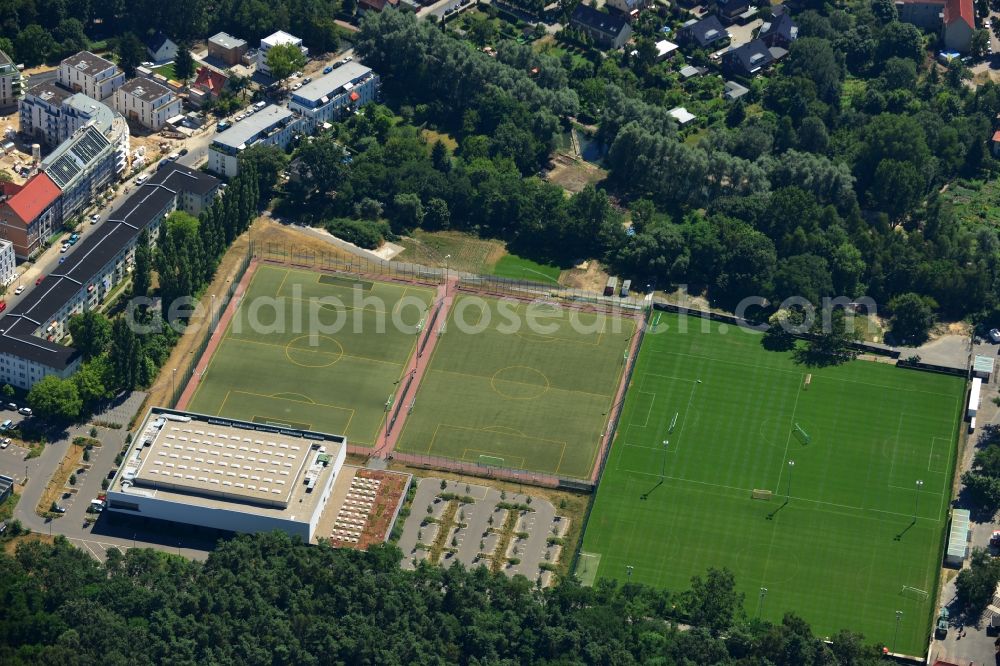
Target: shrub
{"points": [[363, 233]]}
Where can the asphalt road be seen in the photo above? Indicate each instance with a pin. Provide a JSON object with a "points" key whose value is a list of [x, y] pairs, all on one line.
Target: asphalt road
{"points": [[108, 531]]}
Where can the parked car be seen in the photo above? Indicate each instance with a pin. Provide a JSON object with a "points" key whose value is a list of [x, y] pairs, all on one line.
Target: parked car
{"points": [[141, 179], [65, 246], [995, 335], [39, 280], [11, 406], [5, 442], [306, 80], [184, 151], [173, 157], [19, 290], [328, 69], [95, 218], [59, 508], [24, 411], [3, 305]]}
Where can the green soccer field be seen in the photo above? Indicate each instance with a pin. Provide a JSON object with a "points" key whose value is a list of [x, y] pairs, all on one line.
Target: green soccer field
{"points": [[529, 398], [837, 543], [274, 366]]}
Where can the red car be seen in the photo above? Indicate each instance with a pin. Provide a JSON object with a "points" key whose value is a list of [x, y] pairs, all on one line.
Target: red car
{"points": [[39, 280], [3, 305]]}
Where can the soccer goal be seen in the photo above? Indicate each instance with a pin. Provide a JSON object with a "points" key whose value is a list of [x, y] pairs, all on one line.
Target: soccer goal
{"points": [[761, 494], [673, 422], [491, 461], [913, 593], [802, 434]]}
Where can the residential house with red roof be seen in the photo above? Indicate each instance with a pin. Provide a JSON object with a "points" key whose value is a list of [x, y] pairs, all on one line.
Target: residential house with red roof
{"points": [[959, 20], [30, 215], [955, 19]]}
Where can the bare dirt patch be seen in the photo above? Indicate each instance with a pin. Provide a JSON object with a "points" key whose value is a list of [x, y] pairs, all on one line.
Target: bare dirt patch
{"points": [[589, 276], [467, 252], [573, 175]]}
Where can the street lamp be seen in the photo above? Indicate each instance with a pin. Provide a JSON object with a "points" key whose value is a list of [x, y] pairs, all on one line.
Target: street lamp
{"points": [[916, 498], [446, 270], [788, 491], [760, 601], [663, 463], [628, 571]]}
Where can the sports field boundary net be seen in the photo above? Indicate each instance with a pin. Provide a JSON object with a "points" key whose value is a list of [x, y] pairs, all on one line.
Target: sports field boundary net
{"points": [[297, 256], [491, 471], [180, 384]]}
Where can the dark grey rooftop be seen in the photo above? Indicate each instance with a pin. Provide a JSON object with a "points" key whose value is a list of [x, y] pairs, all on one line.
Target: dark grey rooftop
{"points": [[91, 255], [49, 92], [88, 63], [146, 89], [227, 41]]}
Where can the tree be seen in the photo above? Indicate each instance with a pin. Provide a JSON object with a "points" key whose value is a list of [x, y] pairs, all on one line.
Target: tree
{"points": [[407, 211], [440, 157], [131, 53], [54, 398], [7, 391], [975, 585], [142, 278], [831, 339], [437, 215], [126, 355], [91, 332], [980, 46], [184, 62], [713, 602], [283, 59], [91, 381], [34, 45], [912, 317]]}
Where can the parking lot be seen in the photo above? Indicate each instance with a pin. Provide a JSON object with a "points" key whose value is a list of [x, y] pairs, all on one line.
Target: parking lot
{"points": [[478, 525]]}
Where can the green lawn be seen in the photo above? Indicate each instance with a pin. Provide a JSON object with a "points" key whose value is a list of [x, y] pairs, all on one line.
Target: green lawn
{"points": [[844, 550], [166, 70], [512, 266], [536, 398], [335, 381]]}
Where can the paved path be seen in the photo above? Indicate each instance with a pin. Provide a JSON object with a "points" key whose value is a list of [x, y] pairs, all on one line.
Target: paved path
{"points": [[418, 364]]}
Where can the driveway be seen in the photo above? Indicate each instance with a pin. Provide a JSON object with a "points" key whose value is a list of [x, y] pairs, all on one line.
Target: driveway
{"points": [[970, 644], [741, 34], [950, 351], [106, 532]]}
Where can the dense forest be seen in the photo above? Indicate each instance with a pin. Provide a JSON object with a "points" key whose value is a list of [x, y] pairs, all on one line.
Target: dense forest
{"points": [[267, 600], [808, 188]]}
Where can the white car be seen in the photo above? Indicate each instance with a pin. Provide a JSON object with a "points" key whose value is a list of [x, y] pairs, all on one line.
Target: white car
{"points": [[65, 246], [5, 443], [995, 335], [19, 290], [24, 411], [95, 218]]}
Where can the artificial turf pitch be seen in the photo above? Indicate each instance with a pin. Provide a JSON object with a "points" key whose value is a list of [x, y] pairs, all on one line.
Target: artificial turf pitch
{"points": [[519, 396], [837, 543], [335, 382]]}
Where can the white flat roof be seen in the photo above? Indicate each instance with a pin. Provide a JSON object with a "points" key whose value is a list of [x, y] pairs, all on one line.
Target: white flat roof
{"points": [[681, 115], [328, 84], [248, 128], [214, 461], [280, 37], [664, 47]]}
